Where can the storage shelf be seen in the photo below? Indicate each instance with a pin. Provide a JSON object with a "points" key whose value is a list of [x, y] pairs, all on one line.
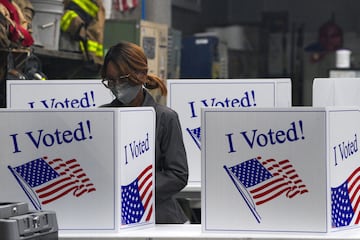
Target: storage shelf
{"points": [[57, 54]]}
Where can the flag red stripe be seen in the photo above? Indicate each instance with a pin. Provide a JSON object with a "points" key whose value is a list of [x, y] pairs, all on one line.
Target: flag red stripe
{"points": [[81, 175], [354, 173], [293, 192], [293, 176], [276, 180], [355, 191], [149, 213], [55, 160], [290, 171], [58, 196], [283, 161], [148, 200], [90, 187], [144, 171], [269, 161], [273, 196], [354, 181], [80, 191], [61, 165], [58, 189], [356, 205], [298, 181], [85, 180], [270, 190], [143, 181], [304, 191], [288, 167], [146, 189], [53, 184], [75, 166], [71, 161], [77, 171]]}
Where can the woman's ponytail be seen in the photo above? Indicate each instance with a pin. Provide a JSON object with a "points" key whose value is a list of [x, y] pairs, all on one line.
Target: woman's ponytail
{"points": [[155, 82]]}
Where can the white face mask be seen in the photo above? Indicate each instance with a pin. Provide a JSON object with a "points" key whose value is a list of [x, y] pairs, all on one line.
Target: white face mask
{"points": [[125, 92]]}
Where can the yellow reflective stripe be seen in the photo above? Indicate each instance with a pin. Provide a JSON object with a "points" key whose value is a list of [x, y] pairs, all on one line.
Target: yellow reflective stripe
{"points": [[66, 19], [88, 6], [93, 47], [100, 51], [82, 47]]}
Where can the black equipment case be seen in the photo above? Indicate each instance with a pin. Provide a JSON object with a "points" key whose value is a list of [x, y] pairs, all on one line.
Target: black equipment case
{"points": [[17, 222]]}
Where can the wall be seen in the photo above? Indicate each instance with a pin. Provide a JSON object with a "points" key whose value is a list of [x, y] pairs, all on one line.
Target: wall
{"points": [[158, 11], [303, 15], [311, 13], [212, 13]]}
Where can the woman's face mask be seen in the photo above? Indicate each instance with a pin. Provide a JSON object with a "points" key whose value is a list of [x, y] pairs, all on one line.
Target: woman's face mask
{"points": [[125, 92]]}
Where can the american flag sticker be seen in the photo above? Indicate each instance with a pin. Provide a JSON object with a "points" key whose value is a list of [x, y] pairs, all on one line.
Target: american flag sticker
{"points": [[45, 181], [260, 181], [195, 134], [137, 198], [345, 201]]}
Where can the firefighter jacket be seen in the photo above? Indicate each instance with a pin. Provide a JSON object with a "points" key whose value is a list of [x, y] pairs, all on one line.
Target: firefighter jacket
{"points": [[15, 24], [84, 20]]}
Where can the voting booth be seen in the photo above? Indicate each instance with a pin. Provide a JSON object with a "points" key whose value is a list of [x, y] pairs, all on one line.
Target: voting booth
{"points": [[93, 167], [187, 96], [56, 94], [336, 92], [280, 170]]}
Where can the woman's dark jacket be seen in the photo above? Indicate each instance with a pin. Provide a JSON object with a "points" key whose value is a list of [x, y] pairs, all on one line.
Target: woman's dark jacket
{"points": [[171, 174]]}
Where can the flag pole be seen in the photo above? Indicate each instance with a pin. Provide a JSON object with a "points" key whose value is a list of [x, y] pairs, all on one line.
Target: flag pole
{"points": [[33, 199], [246, 199], [195, 140]]}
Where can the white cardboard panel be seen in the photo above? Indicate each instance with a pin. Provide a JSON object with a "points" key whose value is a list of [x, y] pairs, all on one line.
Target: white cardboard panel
{"points": [[56, 94], [98, 154], [311, 153], [336, 92], [187, 96]]}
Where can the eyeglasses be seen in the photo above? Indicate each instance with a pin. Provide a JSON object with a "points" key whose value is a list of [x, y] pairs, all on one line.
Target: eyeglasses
{"points": [[111, 82]]}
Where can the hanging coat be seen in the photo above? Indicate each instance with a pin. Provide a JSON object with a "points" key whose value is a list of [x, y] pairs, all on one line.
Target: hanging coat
{"points": [[84, 20], [14, 25]]}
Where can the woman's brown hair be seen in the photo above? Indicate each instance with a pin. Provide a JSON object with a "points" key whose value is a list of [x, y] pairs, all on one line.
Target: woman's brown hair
{"points": [[131, 59]]}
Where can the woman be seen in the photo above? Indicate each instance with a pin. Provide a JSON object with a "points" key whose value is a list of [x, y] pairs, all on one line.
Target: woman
{"points": [[125, 73]]}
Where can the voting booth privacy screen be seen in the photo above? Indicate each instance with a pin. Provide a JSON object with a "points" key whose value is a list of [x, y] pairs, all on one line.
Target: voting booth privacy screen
{"points": [[188, 96], [280, 170], [336, 92], [56, 94], [94, 167]]}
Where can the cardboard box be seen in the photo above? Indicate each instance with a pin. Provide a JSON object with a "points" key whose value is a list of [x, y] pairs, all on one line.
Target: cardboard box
{"points": [[280, 169], [86, 165], [188, 96], [57, 94], [336, 92]]}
